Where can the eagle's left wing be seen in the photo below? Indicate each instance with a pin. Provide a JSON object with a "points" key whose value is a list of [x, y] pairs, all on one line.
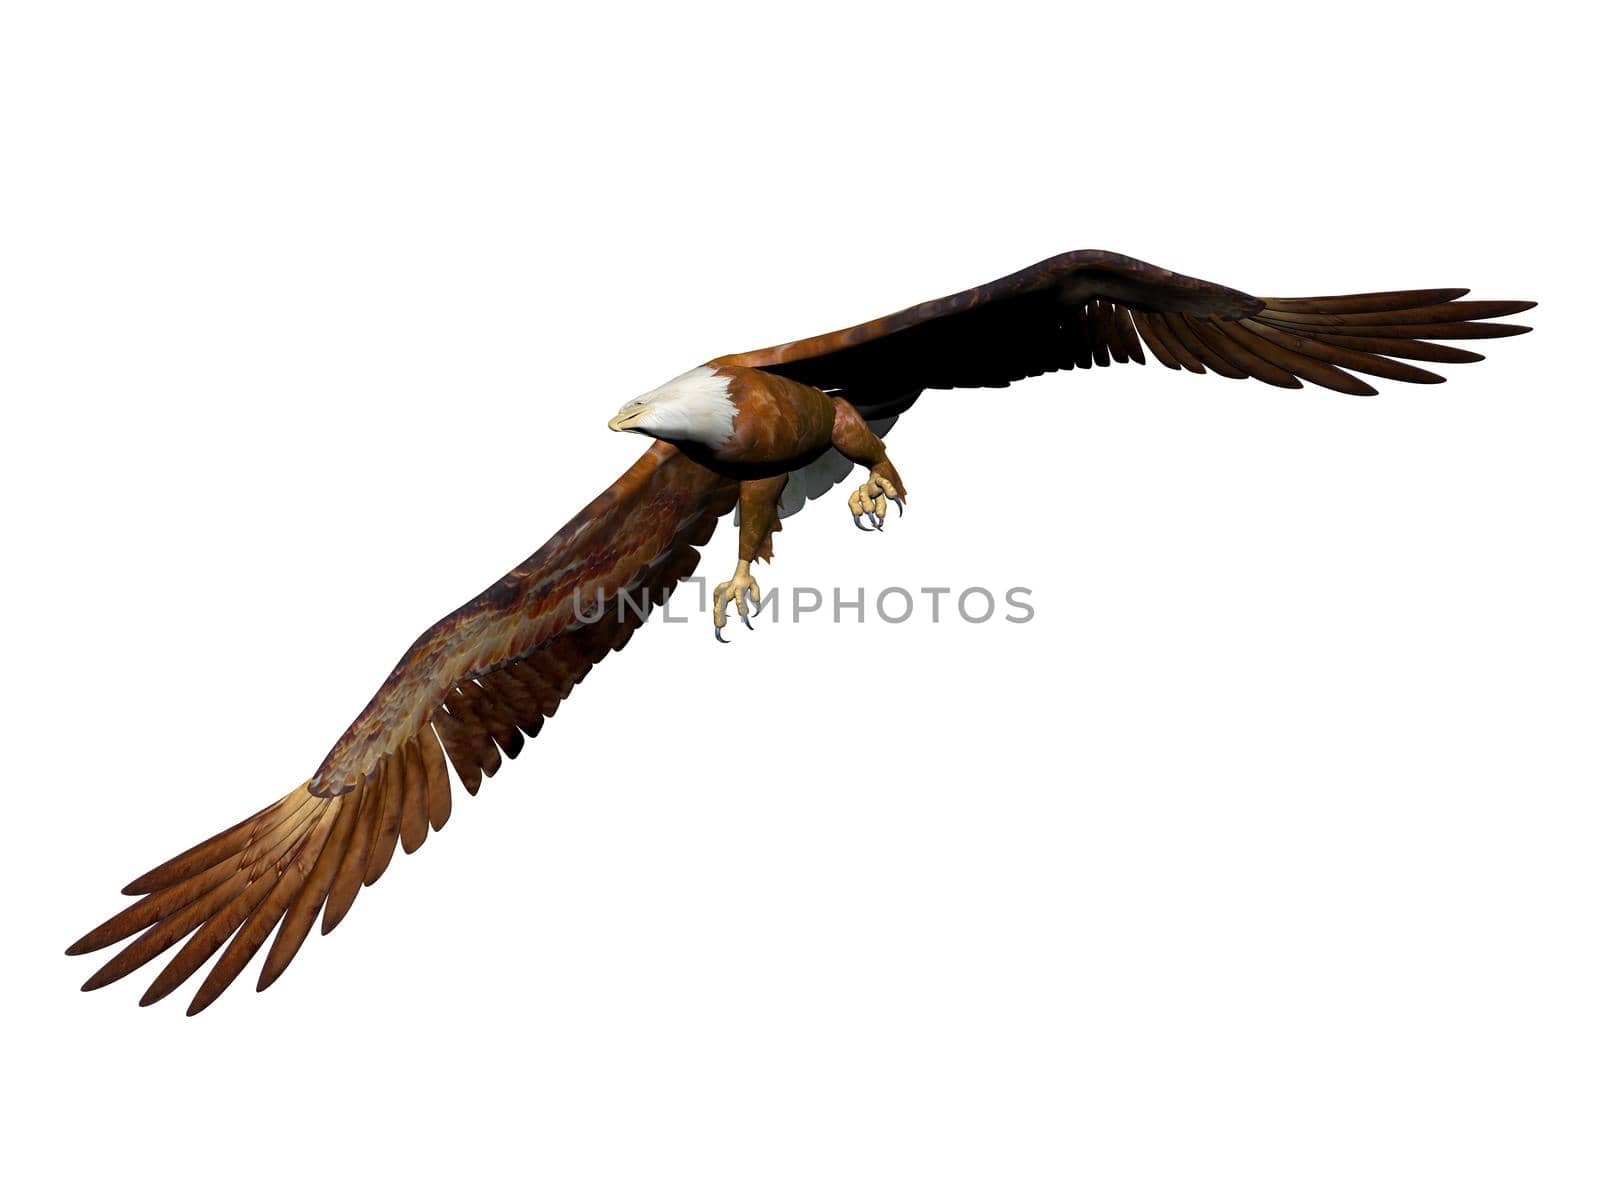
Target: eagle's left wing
{"points": [[469, 689]]}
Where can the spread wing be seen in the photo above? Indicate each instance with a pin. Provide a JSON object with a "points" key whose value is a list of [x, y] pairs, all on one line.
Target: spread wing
{"points": [[470, 689], [1091, 308]]}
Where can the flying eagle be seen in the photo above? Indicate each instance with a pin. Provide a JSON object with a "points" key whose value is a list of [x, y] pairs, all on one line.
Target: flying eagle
{"points": [[767, 430]]}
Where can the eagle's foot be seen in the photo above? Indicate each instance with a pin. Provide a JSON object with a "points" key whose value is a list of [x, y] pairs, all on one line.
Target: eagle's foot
{"points": [[871, 500], [742, 592]]}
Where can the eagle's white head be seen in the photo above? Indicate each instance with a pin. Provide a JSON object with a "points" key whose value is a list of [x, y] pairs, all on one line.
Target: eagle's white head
{"points": [[694, 407]]}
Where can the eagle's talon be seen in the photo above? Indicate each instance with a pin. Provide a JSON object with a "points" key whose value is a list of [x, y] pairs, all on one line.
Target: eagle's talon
{"points": [[871, 500], [717, 630], [741, 591]]}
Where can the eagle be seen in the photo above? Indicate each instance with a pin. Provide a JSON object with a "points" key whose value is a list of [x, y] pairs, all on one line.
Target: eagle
{"points": [[765, 431]]}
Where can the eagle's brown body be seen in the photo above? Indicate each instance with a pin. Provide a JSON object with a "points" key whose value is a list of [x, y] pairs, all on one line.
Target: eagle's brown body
{"points": [[766, 430], [781, 426]]}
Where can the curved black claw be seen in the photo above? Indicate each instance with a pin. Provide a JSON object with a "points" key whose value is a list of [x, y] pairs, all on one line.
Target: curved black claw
{"points": [[720, 638], [877, 521], [745, 617], [898, 505], [860, 526]]}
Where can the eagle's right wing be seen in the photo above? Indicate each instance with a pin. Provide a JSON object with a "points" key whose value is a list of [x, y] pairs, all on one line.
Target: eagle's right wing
{"points": [[470, 688], [1089, 308]]}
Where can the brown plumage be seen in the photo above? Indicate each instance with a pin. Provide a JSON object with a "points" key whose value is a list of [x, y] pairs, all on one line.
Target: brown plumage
{"points": [[477, 681], [484, 679]]}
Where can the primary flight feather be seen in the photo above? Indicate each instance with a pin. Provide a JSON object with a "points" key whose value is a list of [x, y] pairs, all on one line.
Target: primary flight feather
{"points": [[766, 430]]}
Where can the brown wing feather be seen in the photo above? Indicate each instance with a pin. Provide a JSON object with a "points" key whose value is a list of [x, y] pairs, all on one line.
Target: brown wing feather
{"points": [[475, 684], [1091, 307]]}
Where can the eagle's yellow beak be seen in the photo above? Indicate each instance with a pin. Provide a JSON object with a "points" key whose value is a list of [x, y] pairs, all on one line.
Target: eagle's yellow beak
{"points": [[630, 417]]}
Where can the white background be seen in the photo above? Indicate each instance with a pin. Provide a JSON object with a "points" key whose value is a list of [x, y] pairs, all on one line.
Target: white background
{"points": [[1260, 864]]}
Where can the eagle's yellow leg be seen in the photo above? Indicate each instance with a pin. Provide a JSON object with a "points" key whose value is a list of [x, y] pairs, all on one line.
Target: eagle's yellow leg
{"points": [[758, 521], [871, 500], [742, 591], [853, 438]]}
